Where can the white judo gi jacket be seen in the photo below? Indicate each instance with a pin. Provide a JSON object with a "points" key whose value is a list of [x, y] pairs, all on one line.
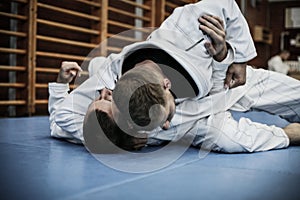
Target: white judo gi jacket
{"points": [[204, 117]]}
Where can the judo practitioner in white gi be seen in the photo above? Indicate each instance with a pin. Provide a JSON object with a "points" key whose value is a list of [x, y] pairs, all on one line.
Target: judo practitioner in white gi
{"points": [[180, 37], [276, 63]]}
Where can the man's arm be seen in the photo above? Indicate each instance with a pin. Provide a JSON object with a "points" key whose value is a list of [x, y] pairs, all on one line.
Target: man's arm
{"points": [[236, 75], [223, 55], [216, 46], [184, 23], [57, 93], [67, 111], [214, 27], [184, 26]]}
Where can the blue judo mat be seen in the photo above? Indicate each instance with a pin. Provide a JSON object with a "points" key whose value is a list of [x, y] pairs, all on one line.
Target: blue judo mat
{"points": [[36, 166]]}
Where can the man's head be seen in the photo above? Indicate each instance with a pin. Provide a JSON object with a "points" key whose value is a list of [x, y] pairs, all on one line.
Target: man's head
{"points": [[101, 133], [141, 101], [142, 97], [284, 54]]}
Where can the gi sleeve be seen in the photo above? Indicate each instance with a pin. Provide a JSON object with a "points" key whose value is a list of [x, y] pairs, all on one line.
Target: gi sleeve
{"points": [[219, 72], [57, 93], [181, 29], [67, 111]]}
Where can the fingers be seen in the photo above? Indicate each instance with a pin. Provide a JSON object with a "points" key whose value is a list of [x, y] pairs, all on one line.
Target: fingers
{"points": [[233, 82], [212, 25], [214, 28], [210, 48], [135, 145], [73, 73], [235, 75], [71, 67], [139, 141], [140, 138], [68, 71], [139, 147], [166, 125], [213, 22], [228, 80], [238, 82], [217, 21]]}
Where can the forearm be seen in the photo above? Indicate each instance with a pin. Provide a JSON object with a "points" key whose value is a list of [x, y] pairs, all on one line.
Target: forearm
{"points": [[67, 111], [57, 94], [219, 71], [71, 112], [182, 28]]}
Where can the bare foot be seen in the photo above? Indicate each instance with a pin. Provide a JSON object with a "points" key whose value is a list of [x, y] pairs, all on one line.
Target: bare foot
{"points": [[293, 132]]}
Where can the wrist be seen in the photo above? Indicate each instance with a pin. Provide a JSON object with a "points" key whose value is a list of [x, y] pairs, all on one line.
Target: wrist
{"points": [[61, 80], [222, 54], [58, 80]]}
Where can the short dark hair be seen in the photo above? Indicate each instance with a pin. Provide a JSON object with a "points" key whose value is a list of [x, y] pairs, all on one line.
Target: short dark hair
{"points": [[284, 51], [102, 135], [137, 93]]}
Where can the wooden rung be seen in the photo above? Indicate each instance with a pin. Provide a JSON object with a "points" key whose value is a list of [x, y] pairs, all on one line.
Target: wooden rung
{"points": [[129, 39], [189, 1], [84, 73], [123, 25], [64, 41], [60, 56], [143, 30], [54, 70], [70, 12], [145, 7], [171, 5], [114, 49], [41, 85], [20, 1], [13, 33], [129, 14], [47, 70], [69, 27], [12, 102], [12, 68], [167, 14], [8, 50], [21, 17], [13, 85], [41, 101], [90, 3]]}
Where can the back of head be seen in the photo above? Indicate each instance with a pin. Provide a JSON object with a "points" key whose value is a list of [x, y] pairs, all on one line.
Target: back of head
{"points": [[284, 54], [140, 98], [284, 51]]}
